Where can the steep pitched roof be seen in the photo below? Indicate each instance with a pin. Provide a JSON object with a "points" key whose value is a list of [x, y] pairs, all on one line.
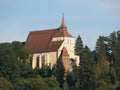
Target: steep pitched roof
{"points": [[62, 34], [64, 52], [38, 41], [41, 41], [63, 23], [54, 46]]}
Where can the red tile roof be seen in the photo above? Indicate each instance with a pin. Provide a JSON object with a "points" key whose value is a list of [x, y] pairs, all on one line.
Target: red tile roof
{"points": [[63, 24], [40, 41], [54, 46], [63, 34], [64, 52]]}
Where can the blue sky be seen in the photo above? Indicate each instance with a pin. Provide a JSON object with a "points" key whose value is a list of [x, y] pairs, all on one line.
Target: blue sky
{"points": [[87, 18]]}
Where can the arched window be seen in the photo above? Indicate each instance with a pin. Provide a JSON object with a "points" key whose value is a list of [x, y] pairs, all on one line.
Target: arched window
{"points": [[37, 62], [43, 59]]}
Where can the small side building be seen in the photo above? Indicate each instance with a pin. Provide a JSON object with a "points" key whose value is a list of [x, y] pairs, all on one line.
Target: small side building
{"points": [[47, 45]]}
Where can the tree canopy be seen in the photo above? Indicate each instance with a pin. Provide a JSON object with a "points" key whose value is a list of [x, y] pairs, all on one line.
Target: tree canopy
{"points": [[98, 69]]}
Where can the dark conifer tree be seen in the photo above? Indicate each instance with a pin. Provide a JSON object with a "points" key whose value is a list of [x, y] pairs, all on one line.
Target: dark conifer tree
{"points": [[78, 46], [59, 71], [85, 70], [113, 42], [101, 50], [45, 71]]}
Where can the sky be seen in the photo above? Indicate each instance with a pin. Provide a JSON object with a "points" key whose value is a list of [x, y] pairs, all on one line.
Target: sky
{"points": [[87, 18]]}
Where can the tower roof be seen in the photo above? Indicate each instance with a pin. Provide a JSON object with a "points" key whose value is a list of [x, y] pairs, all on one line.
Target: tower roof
{"points": [[63, 25], [41, 40]]}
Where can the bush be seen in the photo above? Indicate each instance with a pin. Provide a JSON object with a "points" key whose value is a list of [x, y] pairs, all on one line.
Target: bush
{"points": [[5, 84], [52, 83], [31, 84]]}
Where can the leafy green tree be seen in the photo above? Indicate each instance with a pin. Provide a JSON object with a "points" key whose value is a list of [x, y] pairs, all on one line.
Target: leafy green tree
{"points": [[20, 52], [58, 71], [23, 57], [9, 65], [102, 85], [65, 85], [78, 46], [37, 84], [45, 71], [21, 84], [33, 73], [52, 83], [5, 84], [31, 84], [13, 61]]}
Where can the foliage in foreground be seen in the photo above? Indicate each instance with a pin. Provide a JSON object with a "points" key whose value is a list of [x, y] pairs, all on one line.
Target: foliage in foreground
{"points": [[98, 70]]}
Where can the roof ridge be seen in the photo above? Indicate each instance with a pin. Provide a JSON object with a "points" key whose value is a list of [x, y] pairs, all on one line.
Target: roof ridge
{"points": [[45, 30]]}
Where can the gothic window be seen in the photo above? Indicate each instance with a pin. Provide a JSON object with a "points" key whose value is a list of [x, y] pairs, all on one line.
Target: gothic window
{"points": [[37, 62], [43, 60]]}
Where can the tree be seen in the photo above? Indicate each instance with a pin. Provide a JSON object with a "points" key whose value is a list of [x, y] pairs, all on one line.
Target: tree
{"points": [[20, 52], [31, 84], [9, 65], [37, 84], [65, 85], [21, 84], [114, 44], [59, 71], [5, 84], [101, 50], [104, 73], [72, 78], [23, 57], [85, 70], [13, 62], [103, 63], [45, 71], [112, 75], [113, 51], [102, 85], [52, 83], [78, 46]]}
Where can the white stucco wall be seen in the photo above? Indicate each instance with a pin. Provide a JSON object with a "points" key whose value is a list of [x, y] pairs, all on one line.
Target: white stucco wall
{"points": [[51, 57], [69, 45]]}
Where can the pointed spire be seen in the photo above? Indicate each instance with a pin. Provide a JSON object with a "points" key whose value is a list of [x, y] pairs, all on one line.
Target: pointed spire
{"points": [[63, 26]]}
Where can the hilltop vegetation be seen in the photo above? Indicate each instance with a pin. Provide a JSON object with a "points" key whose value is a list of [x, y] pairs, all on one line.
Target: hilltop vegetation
{"points": [[98, 69]]}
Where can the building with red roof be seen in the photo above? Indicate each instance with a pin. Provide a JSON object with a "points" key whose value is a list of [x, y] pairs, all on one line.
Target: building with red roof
{"points": [[47, 46]]}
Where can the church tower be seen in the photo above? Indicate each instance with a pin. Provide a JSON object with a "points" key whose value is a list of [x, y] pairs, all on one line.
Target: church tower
{"points": [[63, 26]]}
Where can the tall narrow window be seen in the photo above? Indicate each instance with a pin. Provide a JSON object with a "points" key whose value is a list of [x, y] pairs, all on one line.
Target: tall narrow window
{"points": [[37, 62]]}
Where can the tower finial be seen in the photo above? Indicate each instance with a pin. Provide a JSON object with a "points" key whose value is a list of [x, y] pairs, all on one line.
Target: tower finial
{"points": [[63, 14], [63, 26]]}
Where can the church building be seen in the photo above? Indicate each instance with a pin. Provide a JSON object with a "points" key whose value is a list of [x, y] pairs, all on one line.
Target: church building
{"points": [[48, 45]]}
